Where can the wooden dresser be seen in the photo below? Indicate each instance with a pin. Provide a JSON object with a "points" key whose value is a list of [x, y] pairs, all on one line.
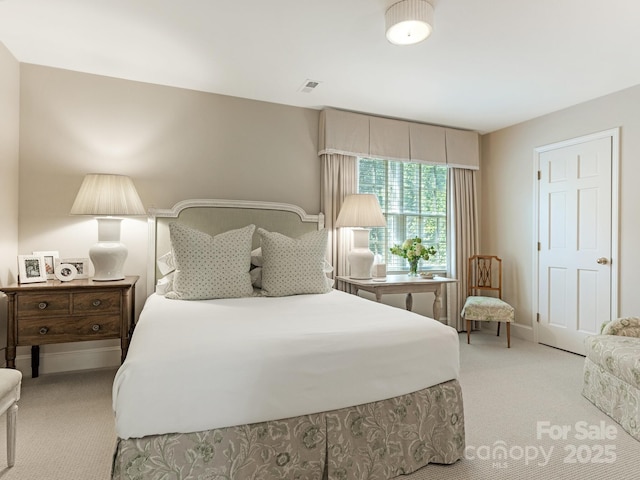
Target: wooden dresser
{"points": [[75, 311]]}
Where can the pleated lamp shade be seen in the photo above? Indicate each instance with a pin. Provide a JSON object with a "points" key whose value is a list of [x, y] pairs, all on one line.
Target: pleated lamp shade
{"points": [[361, 210], [105, 194]]}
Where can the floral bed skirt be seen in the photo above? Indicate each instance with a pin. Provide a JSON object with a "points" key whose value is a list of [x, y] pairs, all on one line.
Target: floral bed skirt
{"points": [[374, 441]]}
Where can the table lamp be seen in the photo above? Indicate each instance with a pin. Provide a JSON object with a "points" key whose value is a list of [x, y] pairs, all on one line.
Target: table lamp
{"points": [[105, 195], [361, 211]]}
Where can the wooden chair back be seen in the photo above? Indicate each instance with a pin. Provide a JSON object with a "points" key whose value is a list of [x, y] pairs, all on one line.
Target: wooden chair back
{"points": [[484, 275]]}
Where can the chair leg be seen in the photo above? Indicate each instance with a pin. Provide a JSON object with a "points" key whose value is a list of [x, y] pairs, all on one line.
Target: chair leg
{"points": [[508, 334], [498, 330], [468, 332], [12, 416]]}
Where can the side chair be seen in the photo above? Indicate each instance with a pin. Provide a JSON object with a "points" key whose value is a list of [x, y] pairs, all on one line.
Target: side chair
{"points": [[484, 295]]}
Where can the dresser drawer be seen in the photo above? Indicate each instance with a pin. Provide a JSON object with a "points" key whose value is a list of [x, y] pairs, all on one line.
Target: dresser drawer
{"points": [[96, 302], [43, 305], [40, 331]]}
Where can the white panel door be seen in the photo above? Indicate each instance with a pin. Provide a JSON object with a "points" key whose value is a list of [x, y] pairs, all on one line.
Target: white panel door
{"points": [[575, 235]]}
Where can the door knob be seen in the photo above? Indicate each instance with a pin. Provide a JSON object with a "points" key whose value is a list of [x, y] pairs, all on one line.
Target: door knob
{"points": [[602, 261]]}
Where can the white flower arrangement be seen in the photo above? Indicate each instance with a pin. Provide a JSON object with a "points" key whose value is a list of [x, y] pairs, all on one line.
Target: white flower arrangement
{"points": [[413, 250]]}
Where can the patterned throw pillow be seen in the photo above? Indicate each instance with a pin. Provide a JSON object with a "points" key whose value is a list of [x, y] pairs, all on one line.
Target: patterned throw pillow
{"points": [[211, 267], [293, 266]]}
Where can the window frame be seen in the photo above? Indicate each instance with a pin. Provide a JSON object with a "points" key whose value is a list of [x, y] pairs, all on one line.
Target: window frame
{"points": [[400, 219]]}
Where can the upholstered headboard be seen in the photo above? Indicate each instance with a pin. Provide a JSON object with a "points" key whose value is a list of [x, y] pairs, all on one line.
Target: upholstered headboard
{"points": [[215, 216]]}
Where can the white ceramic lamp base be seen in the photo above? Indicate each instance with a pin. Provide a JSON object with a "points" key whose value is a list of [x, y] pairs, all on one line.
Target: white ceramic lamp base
{"points": [[360, 257], [109, 254]]}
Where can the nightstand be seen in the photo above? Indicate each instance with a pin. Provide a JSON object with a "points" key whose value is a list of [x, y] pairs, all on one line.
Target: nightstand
{"points": [[75, 311]]}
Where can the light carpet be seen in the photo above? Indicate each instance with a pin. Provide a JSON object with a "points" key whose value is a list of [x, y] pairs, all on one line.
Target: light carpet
{"points": [[524, 413]]}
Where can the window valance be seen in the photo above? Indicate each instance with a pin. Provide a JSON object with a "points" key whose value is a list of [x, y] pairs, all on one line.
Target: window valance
{"points": [[361, 135]]}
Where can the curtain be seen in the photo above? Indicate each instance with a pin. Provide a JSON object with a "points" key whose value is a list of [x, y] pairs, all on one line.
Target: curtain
{"points": [[339, 179], [463, 215]]}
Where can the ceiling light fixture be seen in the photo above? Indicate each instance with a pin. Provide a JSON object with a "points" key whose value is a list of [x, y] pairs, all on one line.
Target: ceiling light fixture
{"points": [[409, 22]]}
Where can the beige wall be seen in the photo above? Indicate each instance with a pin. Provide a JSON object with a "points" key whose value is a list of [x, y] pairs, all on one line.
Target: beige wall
{"points": [[174, 143], [507, 193], [9, 141]]}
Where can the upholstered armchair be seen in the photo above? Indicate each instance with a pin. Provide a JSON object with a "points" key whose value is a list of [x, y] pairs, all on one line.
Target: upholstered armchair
{"points": [[612, 372], [624, 327]]}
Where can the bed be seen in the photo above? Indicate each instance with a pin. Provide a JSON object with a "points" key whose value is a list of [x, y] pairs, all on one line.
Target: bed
{"points": [[286, 382]]}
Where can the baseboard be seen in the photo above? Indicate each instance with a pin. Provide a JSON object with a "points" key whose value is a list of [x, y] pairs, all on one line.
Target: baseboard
{"points": [[57, 362], [523, 332]]}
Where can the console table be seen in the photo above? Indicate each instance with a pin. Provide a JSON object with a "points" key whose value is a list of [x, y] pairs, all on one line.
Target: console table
{"points": [[398, 284]]}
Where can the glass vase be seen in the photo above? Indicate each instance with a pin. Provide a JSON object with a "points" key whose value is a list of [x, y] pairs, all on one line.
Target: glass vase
{"points": [[413, 267]]}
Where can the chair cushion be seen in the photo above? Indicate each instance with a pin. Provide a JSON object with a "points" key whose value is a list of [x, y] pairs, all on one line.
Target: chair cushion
{"points": [[618, 355], [488, 309]]}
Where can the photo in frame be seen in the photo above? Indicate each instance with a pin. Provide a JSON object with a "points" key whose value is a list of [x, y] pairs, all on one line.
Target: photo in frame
{"points": [[81, 265], [50, 259], [31, 269], [66, 272]]}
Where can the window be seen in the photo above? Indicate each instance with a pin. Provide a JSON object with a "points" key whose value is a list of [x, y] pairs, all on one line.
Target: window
{"points": [[413, 197]]}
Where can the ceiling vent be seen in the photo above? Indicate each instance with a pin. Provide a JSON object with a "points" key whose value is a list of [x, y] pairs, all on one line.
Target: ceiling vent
{"points": [[309, 85]]}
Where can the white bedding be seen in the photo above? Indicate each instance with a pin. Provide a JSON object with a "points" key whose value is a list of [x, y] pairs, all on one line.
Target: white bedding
{"points": [[199, 365]]}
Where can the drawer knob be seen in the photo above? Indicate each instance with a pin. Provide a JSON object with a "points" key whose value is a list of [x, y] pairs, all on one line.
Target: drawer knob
{"points": [[43, 305], [96, 303], [44, 330], [95, 328]]}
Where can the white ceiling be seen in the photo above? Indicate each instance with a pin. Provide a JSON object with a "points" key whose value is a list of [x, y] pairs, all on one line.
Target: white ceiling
{"points": [[487, 65]]}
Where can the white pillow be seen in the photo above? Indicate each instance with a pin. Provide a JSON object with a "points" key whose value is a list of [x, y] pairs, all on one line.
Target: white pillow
{"points": [[210, 267], [256, 257], [293, 266], [165, 284], [327, 267], [166, 264], [256, 277]]}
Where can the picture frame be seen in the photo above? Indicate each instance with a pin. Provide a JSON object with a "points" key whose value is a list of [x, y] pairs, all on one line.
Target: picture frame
{"points": [[31, 269], [50, 259], [66, 272], [81, 264]]}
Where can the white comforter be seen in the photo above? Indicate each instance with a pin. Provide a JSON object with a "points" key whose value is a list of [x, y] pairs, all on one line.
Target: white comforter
{"points": [[199, 365]]}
